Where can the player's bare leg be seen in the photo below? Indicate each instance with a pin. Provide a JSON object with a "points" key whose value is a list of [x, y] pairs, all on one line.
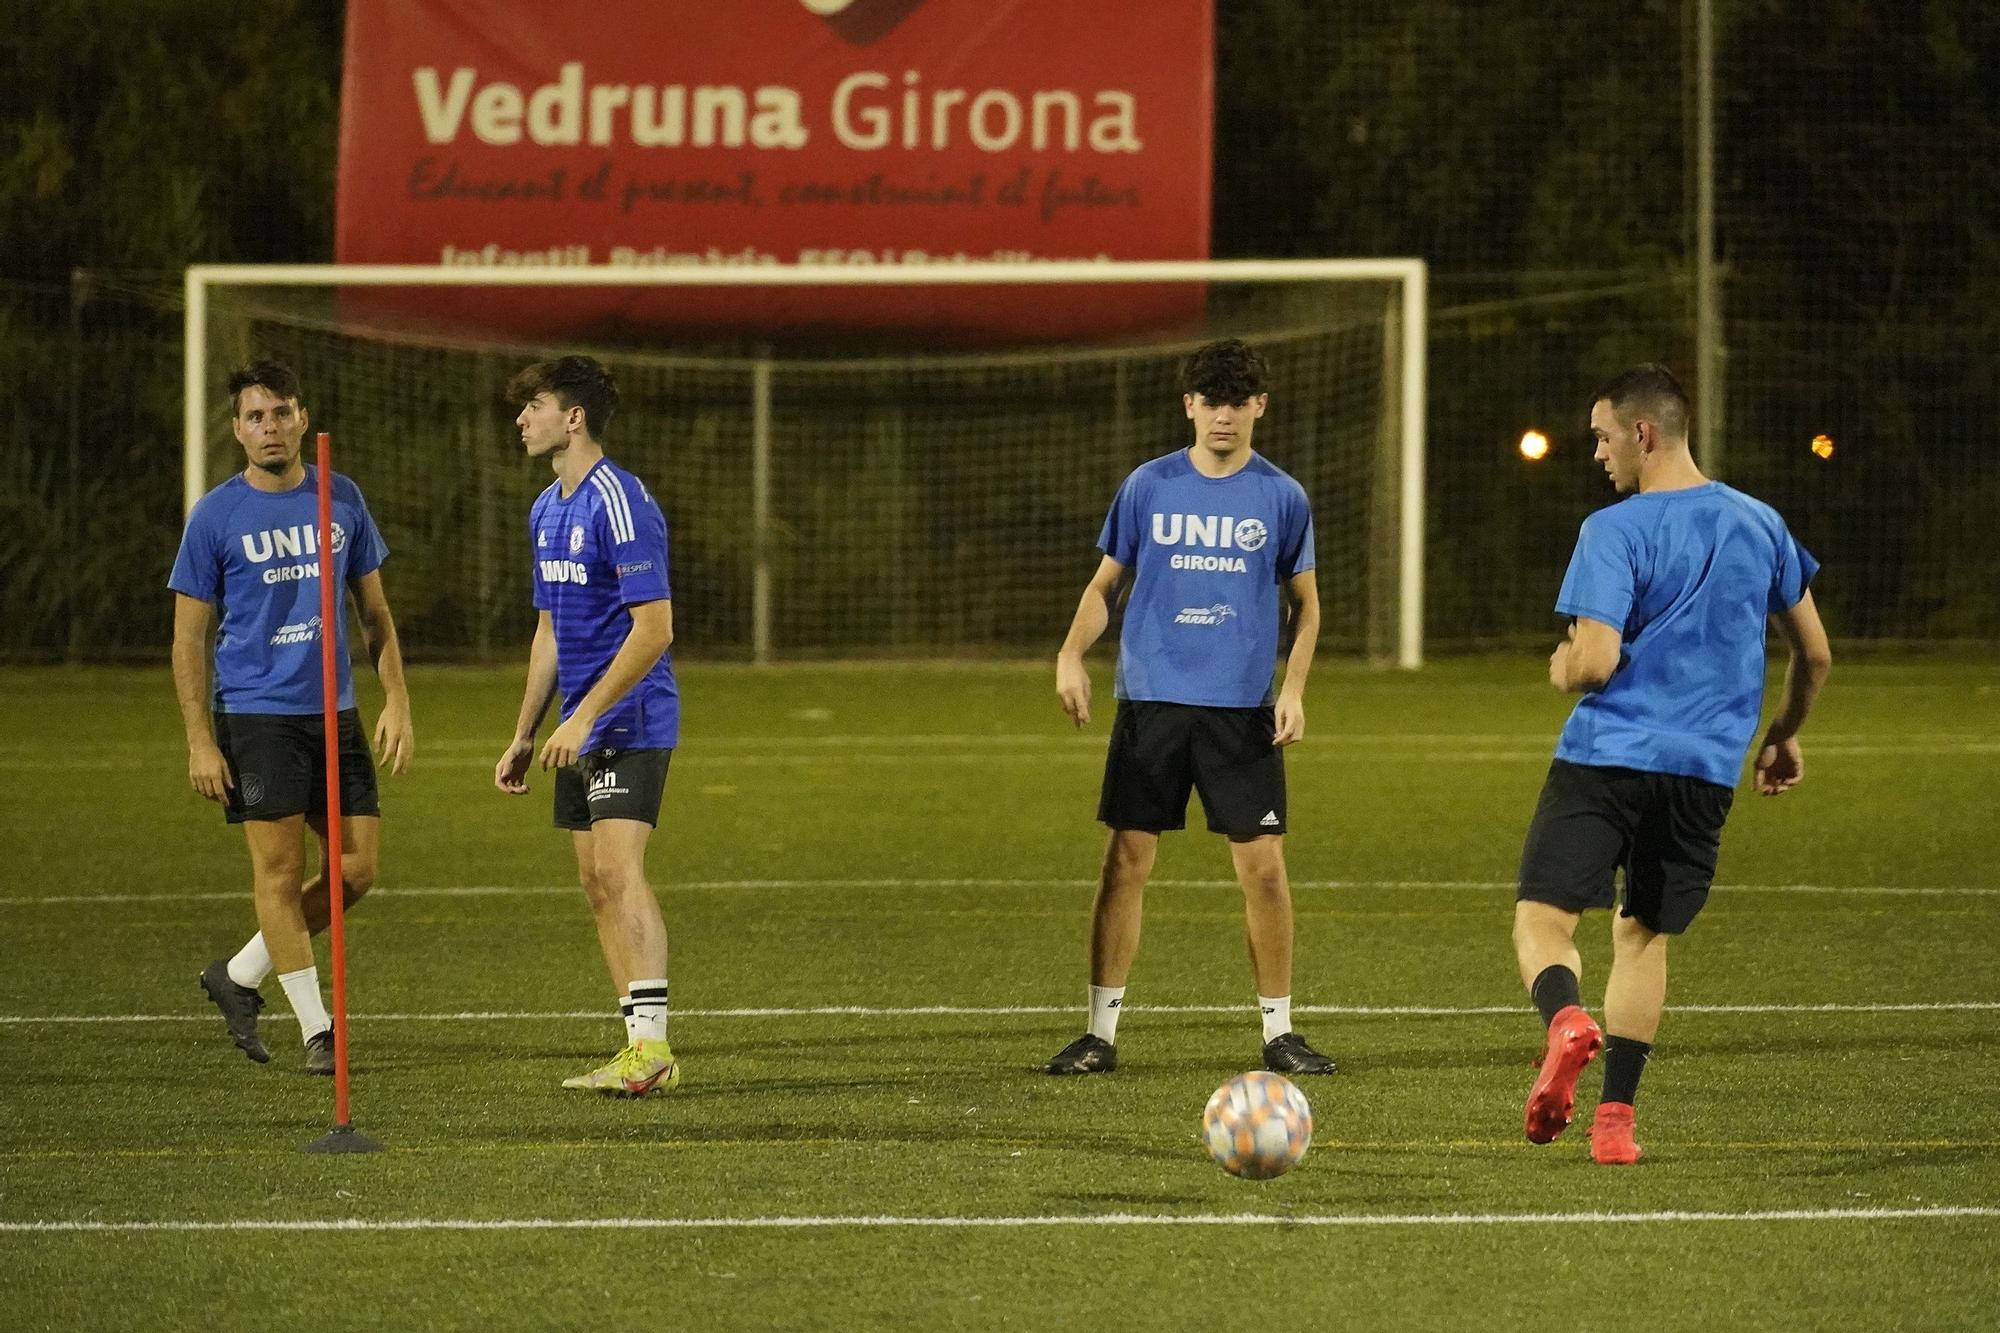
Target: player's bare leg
{"points": [[1545, 948], [1636, 993], [1267, 909], [1121, 899], [631, 931], [233, 983], [277, 861], [1115, 920], [360, 839], [1634, 998], [1267, 925], [610, 940], [624, 904], [1545, 937], [277, 870]]}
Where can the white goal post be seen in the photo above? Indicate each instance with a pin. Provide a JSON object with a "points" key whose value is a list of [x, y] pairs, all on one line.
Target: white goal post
{"points": [[1405, 330]]}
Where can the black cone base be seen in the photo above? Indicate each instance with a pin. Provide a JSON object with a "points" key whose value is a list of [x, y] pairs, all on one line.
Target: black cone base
{"points": [[344, 1138]]}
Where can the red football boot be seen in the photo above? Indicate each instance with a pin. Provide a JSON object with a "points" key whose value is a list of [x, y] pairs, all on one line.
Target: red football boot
{"points": [[1611, 1135], [1574, 1041]]}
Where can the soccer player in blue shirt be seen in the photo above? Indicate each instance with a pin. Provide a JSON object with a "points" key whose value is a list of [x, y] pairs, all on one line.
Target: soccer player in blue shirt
{"points": [[1668, 593], [1209, 534], [256, 740], [606, 622]]}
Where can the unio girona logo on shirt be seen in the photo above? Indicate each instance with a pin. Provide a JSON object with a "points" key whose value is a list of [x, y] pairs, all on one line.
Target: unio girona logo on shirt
{"points": [[1216, 532], [301, 539]]}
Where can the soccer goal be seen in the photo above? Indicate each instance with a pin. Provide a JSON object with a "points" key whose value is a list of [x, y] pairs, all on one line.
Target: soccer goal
{"points": [[855, 460]]}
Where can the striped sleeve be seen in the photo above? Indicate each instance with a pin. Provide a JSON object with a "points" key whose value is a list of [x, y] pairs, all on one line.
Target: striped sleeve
{"points": [[637, 533]]}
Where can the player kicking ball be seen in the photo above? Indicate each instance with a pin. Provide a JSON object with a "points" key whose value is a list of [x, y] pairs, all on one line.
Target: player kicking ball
{"points": [[606, 622], [1668, 593], [1210, 534]]}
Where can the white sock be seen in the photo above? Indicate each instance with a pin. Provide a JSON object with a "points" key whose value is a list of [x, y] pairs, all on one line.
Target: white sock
{"points": [[302, 989], [1106, 1003], [1277, 1015], [625, 1009], [649, 1010], [251, 964]]}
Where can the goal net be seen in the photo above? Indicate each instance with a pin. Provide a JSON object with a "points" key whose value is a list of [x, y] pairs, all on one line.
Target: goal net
{"points": [[837, 492]]}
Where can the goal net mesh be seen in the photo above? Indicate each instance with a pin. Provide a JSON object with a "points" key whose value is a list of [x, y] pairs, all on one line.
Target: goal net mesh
{"points": [[914, 502]]}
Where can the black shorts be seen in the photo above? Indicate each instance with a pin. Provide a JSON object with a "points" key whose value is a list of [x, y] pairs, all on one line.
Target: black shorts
{"points": [[612, 784], [1160, 752], [279, 763], [1663, 829]]}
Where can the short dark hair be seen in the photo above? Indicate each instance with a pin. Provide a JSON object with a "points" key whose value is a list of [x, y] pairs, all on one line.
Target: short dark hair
{"points": [[1647, 391], [264, 373], [1228, 371], [576, 381]]}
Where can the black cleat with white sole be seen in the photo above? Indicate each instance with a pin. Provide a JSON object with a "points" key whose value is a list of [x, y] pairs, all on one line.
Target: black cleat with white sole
{"points": [[1289, 1054], [239, 1006], [319, 1052], [1088, 1054]]}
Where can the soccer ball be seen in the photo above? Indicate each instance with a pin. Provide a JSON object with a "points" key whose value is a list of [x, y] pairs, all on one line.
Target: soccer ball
{"points": [[1257, 1125]]}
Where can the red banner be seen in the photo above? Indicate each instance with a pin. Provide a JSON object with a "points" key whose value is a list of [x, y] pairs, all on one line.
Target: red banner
{"points": [[496, 133]]}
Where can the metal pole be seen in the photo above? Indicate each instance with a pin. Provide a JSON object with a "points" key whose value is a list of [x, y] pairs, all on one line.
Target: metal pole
{"points": [[760, 512], [1410, 627], [194, 392], [79, 295], [1707, 298]]}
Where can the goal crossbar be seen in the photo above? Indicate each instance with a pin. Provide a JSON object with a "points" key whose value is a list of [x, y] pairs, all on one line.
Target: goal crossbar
{"points": [[1409, 274]]}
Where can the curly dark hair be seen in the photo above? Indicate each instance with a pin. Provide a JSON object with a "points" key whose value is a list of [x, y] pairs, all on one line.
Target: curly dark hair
{"points": [[1225, 372], [264, 373], [575, 381]]}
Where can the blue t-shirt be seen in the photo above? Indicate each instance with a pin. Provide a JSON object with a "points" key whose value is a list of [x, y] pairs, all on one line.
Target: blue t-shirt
{"points": [[1207, 555], [255, 556], [1688, 577], [599, 550]]}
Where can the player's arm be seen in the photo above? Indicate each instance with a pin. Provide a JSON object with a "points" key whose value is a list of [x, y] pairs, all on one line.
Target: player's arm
{"points": [[1290, 713], [208, 771], [511, 773], [652, 633], [1780, 765], [1093, 613], [1587, 657], [395, 736]]}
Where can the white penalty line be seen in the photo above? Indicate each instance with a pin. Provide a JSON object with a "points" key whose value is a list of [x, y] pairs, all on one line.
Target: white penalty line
{"points": [[757, 885], [865, 1221], [1010, 1011]]}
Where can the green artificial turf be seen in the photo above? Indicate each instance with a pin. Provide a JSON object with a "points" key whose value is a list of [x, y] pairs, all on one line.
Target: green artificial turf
{"points": [[890, 840]]}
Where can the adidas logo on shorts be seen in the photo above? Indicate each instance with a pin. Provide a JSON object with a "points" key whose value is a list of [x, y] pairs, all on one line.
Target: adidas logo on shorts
{"points": [[1270, 819]]}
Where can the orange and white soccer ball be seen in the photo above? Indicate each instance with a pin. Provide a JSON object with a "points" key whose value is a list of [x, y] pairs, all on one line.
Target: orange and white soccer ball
{"points": [[1257, 1125]]}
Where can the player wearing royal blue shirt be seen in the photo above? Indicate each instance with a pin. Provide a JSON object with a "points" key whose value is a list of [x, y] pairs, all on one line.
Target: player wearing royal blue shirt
{"points": [[256, 740], [606, 621], [1668, 594], [1209, 535]]}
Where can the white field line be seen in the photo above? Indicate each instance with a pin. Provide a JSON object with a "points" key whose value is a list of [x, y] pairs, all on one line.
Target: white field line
{"points": [[754, 885], [878, 1221], [1008, 1011]]}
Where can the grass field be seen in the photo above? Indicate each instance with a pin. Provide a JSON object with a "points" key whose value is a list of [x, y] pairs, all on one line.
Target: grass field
{"points": [[877, 882]]}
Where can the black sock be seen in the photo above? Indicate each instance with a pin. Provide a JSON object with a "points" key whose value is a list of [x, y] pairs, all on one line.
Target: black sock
{"points": [[1555, 990], [1624, 1061]]}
